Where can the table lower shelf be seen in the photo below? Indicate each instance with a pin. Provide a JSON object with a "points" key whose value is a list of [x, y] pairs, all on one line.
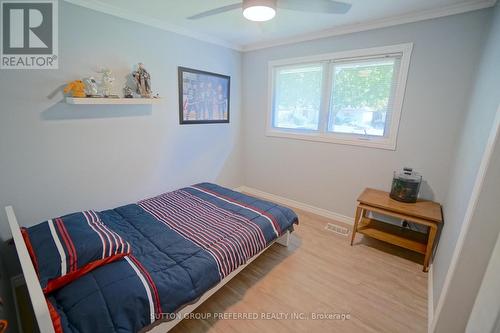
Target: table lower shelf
{"points": [[386, 232]]}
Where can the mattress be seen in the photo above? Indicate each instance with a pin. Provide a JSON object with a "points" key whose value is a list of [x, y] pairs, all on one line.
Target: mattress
{"points": [[183, 243]]}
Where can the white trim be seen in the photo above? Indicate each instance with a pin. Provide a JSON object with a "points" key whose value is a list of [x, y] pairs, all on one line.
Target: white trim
{"points": [[38, 302], [471, 208], [102, 7], [296, 204], [454, 9], [430, 298], [322, 136], [319, 137], [348, 54]]}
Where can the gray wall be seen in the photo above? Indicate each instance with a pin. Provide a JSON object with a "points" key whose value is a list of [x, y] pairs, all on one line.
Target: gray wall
{"points": [[474, 257], [58, 158], [481, 238], [331, 176], [485, 315], [474, 133]]}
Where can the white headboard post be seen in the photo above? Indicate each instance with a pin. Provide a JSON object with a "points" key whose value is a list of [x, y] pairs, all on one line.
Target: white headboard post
{"points": [[40, 307]]}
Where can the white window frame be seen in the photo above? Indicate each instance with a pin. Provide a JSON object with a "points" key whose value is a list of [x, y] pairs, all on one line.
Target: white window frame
{"points": [[322, 135]]}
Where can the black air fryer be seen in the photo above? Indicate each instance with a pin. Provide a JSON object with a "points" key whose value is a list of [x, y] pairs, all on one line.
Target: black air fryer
{"points": [[405, 185]]}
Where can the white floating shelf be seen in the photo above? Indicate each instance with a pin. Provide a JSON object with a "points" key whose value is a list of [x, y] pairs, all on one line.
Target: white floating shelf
{"points": [[113, 101]]}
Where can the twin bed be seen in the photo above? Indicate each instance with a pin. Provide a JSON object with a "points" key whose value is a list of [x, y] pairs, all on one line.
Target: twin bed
{"points": [[143, 266]]}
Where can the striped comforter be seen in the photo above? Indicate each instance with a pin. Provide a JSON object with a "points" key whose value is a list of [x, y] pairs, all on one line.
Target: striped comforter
{"points": [[183, 243]]}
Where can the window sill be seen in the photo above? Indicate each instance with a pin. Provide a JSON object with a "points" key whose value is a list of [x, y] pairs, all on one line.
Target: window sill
{"points": [[387, 144]]}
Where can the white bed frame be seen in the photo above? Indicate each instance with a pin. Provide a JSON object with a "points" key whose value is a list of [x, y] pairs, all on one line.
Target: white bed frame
{"points": [[38, 299]]}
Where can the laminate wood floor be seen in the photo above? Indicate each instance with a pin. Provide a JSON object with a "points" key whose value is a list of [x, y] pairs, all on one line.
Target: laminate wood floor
{"points": [[319, 272]]}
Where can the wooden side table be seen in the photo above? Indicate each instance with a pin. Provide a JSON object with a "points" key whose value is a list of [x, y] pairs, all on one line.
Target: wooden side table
{"points": [[427, 213]]}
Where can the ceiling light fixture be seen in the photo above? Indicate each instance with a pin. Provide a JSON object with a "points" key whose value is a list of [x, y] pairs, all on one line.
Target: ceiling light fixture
{"points": [[259, 10]]}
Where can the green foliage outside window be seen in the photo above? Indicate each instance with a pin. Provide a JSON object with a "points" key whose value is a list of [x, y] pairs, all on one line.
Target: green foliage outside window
{"points": [[362, 87]]}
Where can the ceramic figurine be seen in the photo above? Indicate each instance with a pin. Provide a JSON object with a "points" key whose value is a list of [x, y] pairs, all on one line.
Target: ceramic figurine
{"points": [[76, 89], [106, 82], [143, 81], [127, 92], [90, 87]]}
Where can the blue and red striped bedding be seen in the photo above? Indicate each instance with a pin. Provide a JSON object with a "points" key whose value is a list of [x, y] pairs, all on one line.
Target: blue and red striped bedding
{"points": [[182, 244], [65, 248]]}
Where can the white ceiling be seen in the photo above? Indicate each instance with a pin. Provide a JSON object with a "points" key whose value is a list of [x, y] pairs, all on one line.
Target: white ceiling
{"points": [[231, 29]]}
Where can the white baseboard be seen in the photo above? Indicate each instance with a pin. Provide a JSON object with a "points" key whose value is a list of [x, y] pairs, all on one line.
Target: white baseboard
{"points": [[296, 204], [340, 218], [430, 299]]}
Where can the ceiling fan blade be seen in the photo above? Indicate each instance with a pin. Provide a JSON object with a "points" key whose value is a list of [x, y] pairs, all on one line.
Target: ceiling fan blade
{"points": [[216, 11], [316, 6]]}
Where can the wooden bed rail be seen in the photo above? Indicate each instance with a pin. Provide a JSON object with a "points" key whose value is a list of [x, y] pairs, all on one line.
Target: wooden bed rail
{"points": [[38, 301]]}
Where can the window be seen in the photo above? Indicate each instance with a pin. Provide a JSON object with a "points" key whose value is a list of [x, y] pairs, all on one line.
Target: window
{"points": [[350, 97], [298, 97]]}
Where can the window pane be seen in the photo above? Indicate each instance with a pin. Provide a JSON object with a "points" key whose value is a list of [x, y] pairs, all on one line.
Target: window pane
{"points": [[297, 97], [362, 97]]}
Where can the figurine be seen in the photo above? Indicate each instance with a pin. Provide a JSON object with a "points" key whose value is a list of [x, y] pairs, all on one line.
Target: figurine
{"points": [[76, 88], [106, 82], [90, 87], [143, 81], [127, 92]]}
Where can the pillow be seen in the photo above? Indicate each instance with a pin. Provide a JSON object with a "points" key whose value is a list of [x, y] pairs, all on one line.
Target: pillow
{"points": [[67, 247]]}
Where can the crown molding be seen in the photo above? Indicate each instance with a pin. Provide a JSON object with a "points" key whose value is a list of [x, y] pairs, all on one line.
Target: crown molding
{"points": [[460, 8], [100, 6], [466, 6]]}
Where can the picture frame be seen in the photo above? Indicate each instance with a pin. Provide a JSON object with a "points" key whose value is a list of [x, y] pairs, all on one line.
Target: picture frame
{"points": [[204, 97]]}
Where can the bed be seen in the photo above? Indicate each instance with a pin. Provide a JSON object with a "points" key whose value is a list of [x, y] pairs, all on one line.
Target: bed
{"points": [[185, 245]]}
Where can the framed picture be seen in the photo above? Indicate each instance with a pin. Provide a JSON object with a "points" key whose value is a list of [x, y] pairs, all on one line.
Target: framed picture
{"points": [[203, 97]]}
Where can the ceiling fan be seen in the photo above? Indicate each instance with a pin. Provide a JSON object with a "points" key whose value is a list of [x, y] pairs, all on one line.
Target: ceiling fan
{"points": [[264, 10]]}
